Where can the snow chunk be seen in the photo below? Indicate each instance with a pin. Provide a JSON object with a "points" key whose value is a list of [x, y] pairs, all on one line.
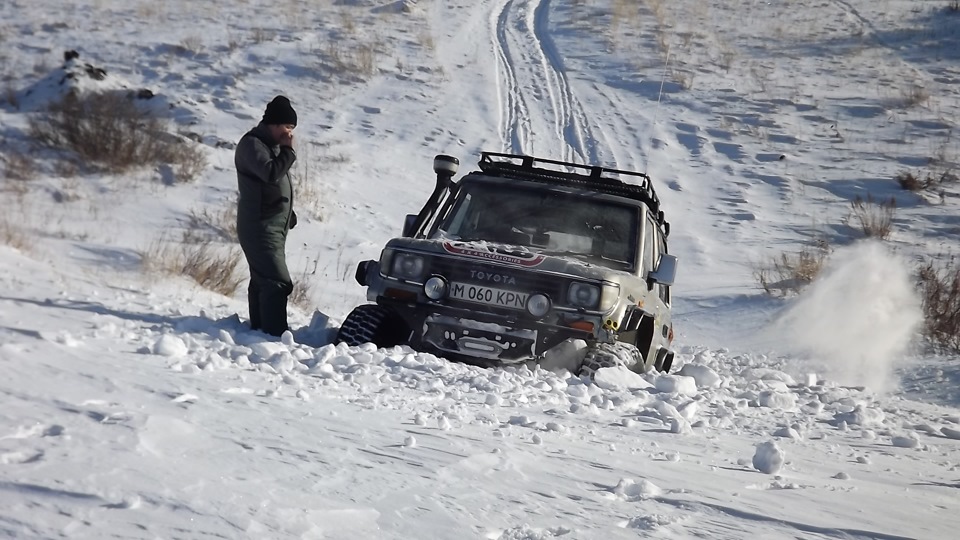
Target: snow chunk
{"points": [[950, 433], [169, 345], [679, 426], [768, 458], [678, 384], [629, 490], [704, 376], [264, 350], [787, 433], [909, 441], [410, 441], [767, 374], [860, 416], [777, 400], [650, 523]]}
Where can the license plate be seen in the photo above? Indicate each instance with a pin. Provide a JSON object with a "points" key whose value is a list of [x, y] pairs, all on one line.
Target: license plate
{"points": [[488, 295]]}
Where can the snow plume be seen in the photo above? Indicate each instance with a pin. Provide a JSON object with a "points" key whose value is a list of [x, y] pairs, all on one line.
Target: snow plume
{"points": [[856, 321]]}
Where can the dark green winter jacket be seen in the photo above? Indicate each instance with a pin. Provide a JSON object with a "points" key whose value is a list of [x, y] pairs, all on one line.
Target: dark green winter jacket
{"points": [[265, 208]]}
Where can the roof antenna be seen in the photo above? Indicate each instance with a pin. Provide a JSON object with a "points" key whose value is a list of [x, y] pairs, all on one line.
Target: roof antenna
{"points": [[666, 66]]}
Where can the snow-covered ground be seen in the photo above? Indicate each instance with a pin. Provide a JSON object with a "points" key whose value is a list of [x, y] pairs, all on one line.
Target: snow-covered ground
{"points": [[138, 406]]}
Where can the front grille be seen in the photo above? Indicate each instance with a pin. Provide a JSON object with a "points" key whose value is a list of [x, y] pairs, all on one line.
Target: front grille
{"points": [[525, 280]]}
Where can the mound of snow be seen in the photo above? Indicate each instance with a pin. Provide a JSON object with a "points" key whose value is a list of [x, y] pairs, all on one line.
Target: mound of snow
{"points": [[768, 458], [620, 378]]}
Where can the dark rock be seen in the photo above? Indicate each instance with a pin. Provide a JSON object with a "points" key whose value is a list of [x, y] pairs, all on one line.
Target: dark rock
{"points": [[95, 73], [70, 55]]}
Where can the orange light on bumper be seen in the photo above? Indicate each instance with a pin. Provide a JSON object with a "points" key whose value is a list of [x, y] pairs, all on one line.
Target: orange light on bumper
{"points": [[586, 326]]}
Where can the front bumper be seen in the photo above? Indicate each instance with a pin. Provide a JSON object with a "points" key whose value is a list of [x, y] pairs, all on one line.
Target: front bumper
{"points": [[480, 338]]}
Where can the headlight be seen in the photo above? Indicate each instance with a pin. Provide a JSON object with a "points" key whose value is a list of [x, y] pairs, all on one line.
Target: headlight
{"points": [[538, 305], [435, 288], [583, 295], [407, 266]]}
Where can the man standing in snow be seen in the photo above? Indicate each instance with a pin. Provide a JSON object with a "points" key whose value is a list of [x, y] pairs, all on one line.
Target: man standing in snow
{"points": [[265, 213]]}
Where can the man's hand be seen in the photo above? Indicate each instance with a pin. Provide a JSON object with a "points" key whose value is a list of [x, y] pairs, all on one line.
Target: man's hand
{"points": [[286, 139]]}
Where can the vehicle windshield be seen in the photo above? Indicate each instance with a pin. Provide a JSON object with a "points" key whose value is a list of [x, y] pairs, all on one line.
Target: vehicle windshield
{"points": [[550, 222]]}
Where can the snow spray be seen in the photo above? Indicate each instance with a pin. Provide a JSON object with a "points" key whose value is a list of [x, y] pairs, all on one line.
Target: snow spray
{"points": [[855, 322]]}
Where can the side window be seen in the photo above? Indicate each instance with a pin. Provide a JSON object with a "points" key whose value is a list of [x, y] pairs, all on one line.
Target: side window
{"points": [[661, 249], [649, 247]]}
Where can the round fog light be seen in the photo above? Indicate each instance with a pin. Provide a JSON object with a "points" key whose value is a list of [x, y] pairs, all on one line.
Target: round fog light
{"points": [[435, 288], [538, 305]]}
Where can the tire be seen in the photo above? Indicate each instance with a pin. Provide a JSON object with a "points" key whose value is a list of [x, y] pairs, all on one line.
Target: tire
{"points": [[371, 323], [602, 355], [664, 360]]}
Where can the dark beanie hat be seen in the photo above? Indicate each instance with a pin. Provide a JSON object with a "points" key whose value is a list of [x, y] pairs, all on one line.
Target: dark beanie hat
{"points": [[279, 111]]}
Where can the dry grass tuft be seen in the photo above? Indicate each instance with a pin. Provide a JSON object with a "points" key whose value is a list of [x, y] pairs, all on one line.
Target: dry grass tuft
{"points": [[210, 224], [303, 288], [924, 181], [791, 272], [913, 96], [939, 284], [875, 218], [212, 267], [13, 235], [307, 186]]}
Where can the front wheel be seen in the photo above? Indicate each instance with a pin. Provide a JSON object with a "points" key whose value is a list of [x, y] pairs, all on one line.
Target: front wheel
{"points": [[602, 355], [372, 323]]}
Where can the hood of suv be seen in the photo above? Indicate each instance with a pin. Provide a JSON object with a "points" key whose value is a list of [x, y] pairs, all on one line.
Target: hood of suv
{"points": [[507, 256]]}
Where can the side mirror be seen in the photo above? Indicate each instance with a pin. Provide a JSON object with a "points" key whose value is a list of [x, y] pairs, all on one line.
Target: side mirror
{"points": [[361, 275], [666, 272], [408, 225]]}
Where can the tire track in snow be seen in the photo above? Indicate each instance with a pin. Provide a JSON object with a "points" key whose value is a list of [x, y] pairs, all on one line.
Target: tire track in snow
{"points": [[531, 72], [514, 119]]}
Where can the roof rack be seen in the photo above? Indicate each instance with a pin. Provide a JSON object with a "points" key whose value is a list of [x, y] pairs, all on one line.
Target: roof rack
{"points": [[525, 167]]}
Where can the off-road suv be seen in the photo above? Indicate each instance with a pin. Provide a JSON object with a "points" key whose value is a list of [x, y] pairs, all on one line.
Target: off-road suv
{"points": [[526, 260]]}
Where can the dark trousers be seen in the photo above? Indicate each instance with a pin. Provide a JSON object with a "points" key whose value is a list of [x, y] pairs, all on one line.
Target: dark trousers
{"points": [[270, 285]]}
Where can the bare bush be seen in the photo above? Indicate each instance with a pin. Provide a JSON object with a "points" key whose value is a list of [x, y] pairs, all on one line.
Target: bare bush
{"points": [[17, 165], [109, 130], [939, 284], [105, 129], [875, 218], [914, 182], [212, 267], [791, 272]]}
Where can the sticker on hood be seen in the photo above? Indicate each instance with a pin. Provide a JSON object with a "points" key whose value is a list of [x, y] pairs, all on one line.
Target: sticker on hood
{"points": [[513, 257]]}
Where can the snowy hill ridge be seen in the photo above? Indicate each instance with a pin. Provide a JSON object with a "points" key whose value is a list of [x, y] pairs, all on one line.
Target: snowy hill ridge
{"points": [[140, 406]]}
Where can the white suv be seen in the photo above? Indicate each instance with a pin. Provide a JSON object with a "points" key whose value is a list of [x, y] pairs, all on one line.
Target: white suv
{"points": [[526, 260]]}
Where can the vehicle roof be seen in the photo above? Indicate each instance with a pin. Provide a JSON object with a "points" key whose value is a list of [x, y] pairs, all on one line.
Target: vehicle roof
{"points": [[478, 177]]}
